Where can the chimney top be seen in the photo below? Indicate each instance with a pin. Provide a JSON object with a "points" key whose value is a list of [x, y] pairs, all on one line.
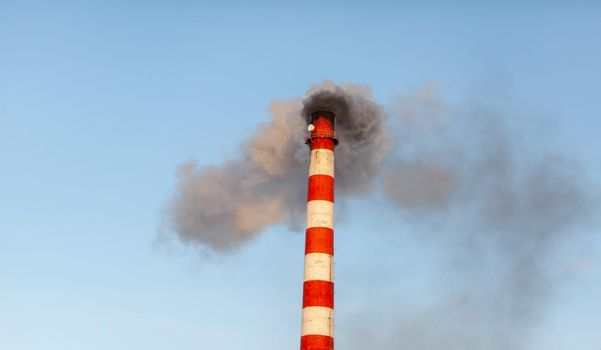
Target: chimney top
{"points": [[319, 113]]}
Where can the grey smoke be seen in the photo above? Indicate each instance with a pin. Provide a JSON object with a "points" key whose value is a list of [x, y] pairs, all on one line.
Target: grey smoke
{"points": [[455, 172], [222, 207], [461, 176]]}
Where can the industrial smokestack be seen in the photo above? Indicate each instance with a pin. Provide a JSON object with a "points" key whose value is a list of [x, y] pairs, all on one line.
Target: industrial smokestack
{"points": [[318, 288]]}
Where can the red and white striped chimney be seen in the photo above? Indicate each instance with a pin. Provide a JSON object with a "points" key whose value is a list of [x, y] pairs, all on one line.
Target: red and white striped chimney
{"points": [[318, 288]]}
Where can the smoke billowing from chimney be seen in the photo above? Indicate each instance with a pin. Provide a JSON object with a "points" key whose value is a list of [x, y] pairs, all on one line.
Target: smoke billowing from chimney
{"points": [[455, 168], [224, 206]]}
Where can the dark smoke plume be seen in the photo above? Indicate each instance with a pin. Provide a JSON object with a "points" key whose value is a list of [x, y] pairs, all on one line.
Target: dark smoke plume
{"points": [[455, 170], [460, 176], [224, 206]]}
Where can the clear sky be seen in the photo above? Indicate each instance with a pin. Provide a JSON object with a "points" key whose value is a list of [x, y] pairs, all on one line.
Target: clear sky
{"points": [[101, 100]]}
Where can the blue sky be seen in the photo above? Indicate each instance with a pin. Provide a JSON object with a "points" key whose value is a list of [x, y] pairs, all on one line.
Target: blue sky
{"points": [[100, 101]]}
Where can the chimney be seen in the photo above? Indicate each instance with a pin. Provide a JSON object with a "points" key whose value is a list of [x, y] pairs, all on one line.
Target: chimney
{"points": [[318, 288]]}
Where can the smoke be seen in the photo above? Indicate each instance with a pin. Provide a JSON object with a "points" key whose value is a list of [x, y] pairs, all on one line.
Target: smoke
{"points": [[224, 206], [461, 176], [456, 173]]}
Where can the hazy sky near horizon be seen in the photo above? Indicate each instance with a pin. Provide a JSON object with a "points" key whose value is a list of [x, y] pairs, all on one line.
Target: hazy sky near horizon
{"points": [[100, 101]]}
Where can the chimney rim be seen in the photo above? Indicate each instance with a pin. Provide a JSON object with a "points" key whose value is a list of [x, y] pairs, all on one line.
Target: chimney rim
{"points": [[321, 112]]}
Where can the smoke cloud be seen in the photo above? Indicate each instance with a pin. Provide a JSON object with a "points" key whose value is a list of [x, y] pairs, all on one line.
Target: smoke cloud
{"points": [[457, 168], [497, 214], [224, 206]]}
